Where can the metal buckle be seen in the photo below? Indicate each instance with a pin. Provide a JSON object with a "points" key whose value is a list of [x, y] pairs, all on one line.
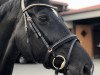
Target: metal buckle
{"points": [[50, 50], [63, 63]]}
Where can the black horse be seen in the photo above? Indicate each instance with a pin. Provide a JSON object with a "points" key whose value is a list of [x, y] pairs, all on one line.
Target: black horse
{"points": [[35, 30]]}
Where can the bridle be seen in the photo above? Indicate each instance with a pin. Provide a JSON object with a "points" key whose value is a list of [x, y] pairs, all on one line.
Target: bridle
{"points": [[50, 51], [38, 34]]}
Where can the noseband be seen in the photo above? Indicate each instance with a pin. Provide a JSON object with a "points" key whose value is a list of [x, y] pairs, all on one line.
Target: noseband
{"points": [[51, 49]]}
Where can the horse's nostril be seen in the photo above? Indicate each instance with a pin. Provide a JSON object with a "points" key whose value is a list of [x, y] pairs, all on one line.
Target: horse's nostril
{"points": [[86, 70]]}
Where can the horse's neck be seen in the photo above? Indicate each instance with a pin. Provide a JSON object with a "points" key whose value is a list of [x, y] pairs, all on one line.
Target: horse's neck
{"points": [[8, 16]]}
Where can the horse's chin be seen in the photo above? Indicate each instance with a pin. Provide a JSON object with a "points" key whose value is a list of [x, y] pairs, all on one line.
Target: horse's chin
{"points": [[73, 70]]}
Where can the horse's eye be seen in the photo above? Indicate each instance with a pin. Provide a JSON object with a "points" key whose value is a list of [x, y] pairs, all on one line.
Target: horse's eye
{"points": [[43, 18]]}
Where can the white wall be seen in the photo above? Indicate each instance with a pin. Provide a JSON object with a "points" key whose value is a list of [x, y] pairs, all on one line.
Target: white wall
{"points": [[69, 24]]}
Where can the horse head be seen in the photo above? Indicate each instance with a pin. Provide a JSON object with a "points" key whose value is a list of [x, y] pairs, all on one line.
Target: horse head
{"points": [[51, 41]]}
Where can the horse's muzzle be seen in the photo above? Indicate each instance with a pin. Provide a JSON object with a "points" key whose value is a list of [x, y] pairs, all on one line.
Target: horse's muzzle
{"points": [[86, 70], [83, 69]]}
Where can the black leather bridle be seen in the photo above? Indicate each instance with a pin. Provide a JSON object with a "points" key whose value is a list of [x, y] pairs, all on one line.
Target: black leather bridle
{"points": [[51, 49]]}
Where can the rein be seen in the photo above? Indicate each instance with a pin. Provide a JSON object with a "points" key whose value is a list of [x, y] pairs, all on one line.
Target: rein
{"points": [[50, 51]]}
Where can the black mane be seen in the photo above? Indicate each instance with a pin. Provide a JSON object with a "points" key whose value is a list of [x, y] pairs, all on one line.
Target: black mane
{"points": [[7, 9], [2, 2]]}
